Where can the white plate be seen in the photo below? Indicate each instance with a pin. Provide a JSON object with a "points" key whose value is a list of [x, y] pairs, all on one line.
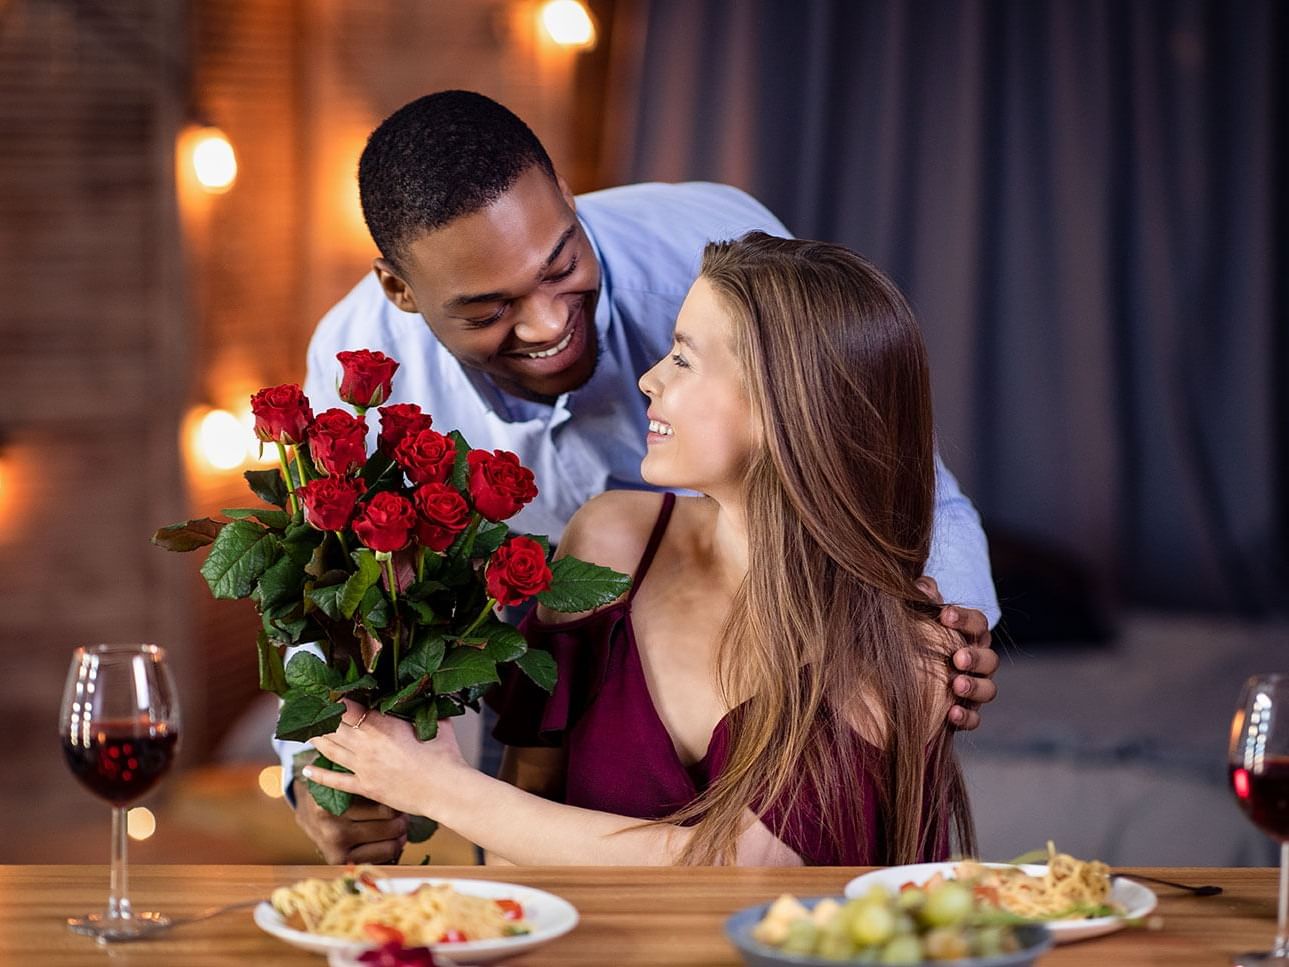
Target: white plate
{"points": [[548, 915], [1136, 900]]}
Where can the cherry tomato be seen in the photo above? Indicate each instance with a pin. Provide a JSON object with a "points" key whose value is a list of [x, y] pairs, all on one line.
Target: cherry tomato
{"points": [[452, 936], [510, 909], [383, 933]]}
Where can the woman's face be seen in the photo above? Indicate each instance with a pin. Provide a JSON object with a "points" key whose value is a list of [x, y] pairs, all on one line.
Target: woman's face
{"points": [[701, 432]]}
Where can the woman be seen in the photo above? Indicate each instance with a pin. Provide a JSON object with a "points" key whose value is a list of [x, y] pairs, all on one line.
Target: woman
{"points": [[773, 689]]}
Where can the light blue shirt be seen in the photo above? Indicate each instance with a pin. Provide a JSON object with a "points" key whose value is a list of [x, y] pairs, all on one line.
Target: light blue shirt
{"points": [[649, 240]]}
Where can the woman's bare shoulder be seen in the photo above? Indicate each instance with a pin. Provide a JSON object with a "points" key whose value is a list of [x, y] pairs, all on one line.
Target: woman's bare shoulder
{"points": [[612, 529]]}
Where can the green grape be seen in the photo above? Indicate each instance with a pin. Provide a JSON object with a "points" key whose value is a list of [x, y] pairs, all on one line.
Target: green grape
{"points": [[987, 941], [801, 937], [947, 904], [946, 943], [910, 900], [872, 924], [902, 950]]}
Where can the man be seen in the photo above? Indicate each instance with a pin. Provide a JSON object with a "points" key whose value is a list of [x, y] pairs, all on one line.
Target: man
{"points": [[523, 318]]}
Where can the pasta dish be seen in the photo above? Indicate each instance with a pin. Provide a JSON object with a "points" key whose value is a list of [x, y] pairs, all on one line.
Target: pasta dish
{"points": [[1070, 888], [353, 907]]}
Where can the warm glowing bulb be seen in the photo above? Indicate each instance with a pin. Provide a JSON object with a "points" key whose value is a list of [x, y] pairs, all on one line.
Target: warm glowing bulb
{"points": [[271, 781], [221, 440], [140, 823], [568, 23], [213, 160]]}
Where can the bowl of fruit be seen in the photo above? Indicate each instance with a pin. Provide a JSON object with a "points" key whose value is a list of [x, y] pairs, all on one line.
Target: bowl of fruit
{"points": [[944, 924]]}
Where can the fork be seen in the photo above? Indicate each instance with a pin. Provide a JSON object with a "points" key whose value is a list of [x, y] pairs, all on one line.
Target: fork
{"points": [[1206, 890], [151, 928]]}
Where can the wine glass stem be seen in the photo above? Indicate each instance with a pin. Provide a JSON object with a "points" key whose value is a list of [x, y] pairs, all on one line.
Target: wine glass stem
{"points": [[118, 904]]}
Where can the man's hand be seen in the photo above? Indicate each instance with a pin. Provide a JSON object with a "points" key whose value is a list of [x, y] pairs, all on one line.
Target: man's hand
{"points": [[976, 659], [367, 832]]}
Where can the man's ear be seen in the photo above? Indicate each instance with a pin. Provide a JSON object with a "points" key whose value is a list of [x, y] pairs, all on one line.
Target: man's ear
{"points": [[564, 190], [396, 290]]}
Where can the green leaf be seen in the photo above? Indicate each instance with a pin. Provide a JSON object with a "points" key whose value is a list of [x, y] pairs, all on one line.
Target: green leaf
{"points": [[305, 715], [189, 535], [461, 466], [504, 642], [579, 586], [374, 609], [380, 473], [489, 538], [368, 574], [366, 681], [463, 667], [543, 541], [404, 694], [308, 672], [424, 658], [328, 600], [419, 829], [277, 519], [332, 800], [281, 584], [540, 667], [240, 554], [424, 613], [446, 707], [267, 485], [426, 723], [272, 675]]}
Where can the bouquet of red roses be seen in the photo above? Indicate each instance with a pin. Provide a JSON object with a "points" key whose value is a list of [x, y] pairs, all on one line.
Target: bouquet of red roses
{"points": [[394, 562]]}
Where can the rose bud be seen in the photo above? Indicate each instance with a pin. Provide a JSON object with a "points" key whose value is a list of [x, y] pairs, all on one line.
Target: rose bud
{"points": [[499, 484], [397, 421], [386, 522], [329, 501], [443, 512], [426, 456], [338, 442], [517, 571], [282, 414], [367, 378]]}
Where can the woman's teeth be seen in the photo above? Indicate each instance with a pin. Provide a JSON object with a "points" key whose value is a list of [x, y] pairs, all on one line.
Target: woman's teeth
{"points": [[662, 428], [554, 350]]}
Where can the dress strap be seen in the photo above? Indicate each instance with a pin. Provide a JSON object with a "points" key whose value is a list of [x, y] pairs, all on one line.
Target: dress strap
{"points": [[655, 539]]}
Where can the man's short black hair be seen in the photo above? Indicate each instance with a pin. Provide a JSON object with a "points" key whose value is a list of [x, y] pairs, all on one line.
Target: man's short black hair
{"points": [[438, 158]]}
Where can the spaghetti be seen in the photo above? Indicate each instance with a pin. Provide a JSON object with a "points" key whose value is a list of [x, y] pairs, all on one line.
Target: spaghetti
{"points": [[1070, 888], [353, 907]]}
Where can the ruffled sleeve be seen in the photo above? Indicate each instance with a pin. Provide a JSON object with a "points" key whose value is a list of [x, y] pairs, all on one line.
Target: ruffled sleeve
{"points": [[526, 714]]}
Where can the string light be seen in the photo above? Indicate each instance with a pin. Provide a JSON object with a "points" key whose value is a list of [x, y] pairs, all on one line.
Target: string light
{"points": [[568, 23], [210, 155], [221, 440], [270, 780], [140, 823]]}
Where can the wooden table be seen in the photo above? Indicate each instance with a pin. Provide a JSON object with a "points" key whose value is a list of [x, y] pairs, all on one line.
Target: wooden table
{"points": [[628, 915]]}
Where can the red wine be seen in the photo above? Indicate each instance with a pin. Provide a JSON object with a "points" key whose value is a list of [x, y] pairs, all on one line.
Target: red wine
{"points": [[121, 761], [1264, 795]]}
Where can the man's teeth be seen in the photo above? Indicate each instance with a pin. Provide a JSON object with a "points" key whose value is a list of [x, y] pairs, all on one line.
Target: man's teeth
{"points": [[663, 428], [557, 348]]}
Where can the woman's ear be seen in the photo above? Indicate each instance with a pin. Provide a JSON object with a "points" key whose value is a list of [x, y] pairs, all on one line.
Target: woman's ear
{"points": [[396, 290]]}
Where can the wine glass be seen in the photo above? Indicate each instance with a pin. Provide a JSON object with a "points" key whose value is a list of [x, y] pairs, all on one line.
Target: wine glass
{"points": [[1258, 763], [120, 729]]}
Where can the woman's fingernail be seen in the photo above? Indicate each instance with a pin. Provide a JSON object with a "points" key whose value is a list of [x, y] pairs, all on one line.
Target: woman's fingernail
{"points": [[307, 772]]}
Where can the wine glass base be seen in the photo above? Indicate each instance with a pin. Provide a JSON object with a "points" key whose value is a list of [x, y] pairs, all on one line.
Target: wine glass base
{"points": [[106, 928], [1261, 958]]}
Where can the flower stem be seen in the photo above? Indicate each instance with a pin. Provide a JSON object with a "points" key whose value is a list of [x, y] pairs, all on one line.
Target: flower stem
{"points": [[344, 544], [391, 579], [487, 610], [420, 563], [286, 476], [471, 531]]}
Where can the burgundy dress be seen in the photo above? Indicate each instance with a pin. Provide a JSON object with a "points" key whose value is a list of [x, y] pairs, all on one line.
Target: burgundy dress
{"points": [[620, 757]]}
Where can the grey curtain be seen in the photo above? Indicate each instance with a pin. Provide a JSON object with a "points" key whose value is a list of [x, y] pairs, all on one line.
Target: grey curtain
{"points": [[1086, 201]]}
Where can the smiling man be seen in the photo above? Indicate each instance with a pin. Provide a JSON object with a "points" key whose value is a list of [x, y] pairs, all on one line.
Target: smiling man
{"points": [[523, 317]]}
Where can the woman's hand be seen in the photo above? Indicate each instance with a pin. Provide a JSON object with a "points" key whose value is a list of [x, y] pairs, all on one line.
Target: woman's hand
{"points": [[389, 764]]}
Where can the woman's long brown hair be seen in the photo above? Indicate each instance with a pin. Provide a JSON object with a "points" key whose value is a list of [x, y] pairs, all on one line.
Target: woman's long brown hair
{"points": [[829, 630]]}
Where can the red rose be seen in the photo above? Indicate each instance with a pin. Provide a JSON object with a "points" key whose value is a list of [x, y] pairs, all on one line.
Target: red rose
{"points": [[443, 515], [367, 377], [329, 501], [282, 414], [499, 483], [399, 420], [427, 456], [338, 442], [386, 522], [517, 571]]}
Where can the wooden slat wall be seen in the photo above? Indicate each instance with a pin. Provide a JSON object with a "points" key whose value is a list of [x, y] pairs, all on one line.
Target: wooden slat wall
{"points": [[91, 370]]}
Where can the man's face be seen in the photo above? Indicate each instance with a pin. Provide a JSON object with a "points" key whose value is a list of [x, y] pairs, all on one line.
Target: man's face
{"points": [[509, 290]]}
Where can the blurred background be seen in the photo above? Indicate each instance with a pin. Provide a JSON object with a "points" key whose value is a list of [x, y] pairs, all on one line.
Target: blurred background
{"points": [[1085, 199]]}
